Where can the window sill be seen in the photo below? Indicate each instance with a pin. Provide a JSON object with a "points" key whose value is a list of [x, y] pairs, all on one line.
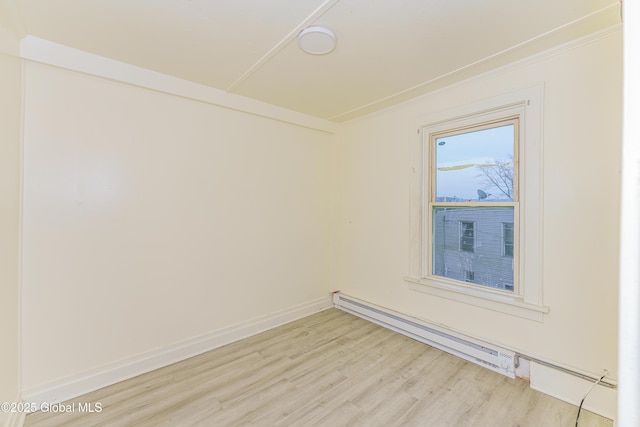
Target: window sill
{"points": [[507, 304]]}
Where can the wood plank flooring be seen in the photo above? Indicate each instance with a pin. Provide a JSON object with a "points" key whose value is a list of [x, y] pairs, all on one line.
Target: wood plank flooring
{"points": [[329, 369]]}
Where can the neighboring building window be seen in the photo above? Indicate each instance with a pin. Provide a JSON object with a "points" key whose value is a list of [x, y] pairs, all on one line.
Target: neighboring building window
{"points": [[474, 184], [466, 236], [469, 276], [507, 239]]}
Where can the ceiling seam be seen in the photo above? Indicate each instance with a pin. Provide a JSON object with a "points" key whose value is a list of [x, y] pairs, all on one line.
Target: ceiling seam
{"points": [[321, 10], [473, 64]]}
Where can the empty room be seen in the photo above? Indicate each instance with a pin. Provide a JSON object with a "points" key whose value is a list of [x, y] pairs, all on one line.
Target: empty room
{"points": [[319, 213]]}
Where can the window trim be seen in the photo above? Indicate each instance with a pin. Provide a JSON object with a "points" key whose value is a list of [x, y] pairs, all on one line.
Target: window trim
{"points": [[527, 301]]}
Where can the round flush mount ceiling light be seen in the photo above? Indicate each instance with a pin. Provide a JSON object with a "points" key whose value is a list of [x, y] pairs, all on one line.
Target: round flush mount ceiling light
{"points": [[317, 40]]}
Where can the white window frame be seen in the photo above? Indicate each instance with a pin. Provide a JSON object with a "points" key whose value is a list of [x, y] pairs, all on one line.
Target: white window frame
{"points": [[526, 301]]}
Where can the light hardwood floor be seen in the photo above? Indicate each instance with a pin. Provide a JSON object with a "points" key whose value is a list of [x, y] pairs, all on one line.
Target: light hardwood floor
{"points": [[329, 369]]}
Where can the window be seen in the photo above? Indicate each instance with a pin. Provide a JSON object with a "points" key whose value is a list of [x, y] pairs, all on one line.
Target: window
{"points": [[466, 236], [473, 174], [469, 276], [476, 210], [507, 239]]}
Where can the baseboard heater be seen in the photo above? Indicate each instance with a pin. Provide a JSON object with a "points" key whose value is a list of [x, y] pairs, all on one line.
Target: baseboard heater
{"points": [[488, 355]]}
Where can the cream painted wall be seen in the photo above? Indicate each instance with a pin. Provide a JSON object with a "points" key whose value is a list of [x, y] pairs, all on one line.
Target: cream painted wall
{"points": [[10, 112], [150, 219], [582, 141]]}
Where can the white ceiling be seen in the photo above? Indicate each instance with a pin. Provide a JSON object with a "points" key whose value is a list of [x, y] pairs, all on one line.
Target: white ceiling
{"points": [[388, 50]]}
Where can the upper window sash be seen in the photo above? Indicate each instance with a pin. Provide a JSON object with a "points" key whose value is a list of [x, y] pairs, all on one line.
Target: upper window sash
{"points": [[432, 145]]}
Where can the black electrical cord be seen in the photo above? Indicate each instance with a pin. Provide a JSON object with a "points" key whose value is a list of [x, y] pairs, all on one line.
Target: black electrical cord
{"points": [[585, 396]]}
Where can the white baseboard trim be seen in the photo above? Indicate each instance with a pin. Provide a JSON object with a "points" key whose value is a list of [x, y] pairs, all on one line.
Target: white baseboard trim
{"points": [[77, 385], [601, 400]]}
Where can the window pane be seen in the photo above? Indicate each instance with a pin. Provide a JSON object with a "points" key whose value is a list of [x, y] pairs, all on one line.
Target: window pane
{"points": [[468, 245], [475, 165]]}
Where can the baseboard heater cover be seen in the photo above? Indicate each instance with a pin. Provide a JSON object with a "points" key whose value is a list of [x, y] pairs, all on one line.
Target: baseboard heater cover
{"points": [[484, 354]]}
